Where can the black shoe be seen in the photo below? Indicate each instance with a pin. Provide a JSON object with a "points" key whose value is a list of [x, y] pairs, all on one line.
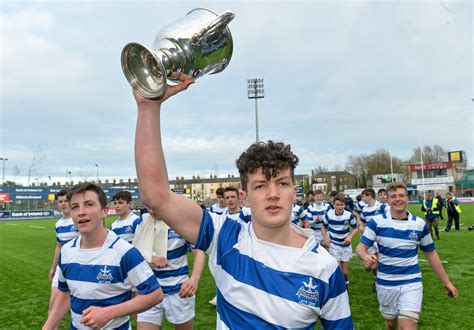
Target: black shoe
{"points": [[446, 230]]}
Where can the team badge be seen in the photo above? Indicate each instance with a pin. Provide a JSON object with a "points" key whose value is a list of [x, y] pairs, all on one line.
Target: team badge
{"points": [[308, 293], [413, 236], [105, 276]]}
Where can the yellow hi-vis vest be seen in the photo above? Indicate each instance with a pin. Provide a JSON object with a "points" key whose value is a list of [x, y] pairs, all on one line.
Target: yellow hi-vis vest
{"points": [[434, 206]]}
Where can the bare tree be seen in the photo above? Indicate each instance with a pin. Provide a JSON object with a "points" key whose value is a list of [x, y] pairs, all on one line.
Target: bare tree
{"points": [[319, 169], [431, 154], [365, 166], [38, 158]]}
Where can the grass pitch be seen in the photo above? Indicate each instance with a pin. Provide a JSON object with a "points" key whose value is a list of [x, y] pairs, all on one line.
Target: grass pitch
{"points": [[27, 246]]}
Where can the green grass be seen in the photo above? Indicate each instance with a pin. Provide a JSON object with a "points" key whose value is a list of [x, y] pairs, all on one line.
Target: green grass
{"points": [[26, 252]]}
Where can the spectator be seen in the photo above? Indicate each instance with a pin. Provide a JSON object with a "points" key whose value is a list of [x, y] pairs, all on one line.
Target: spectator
{"points": [[453, 210]]}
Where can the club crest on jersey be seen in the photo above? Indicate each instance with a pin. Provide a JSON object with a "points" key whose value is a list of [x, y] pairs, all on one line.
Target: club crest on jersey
{"points": [[308, 293], [413, 236], [129, 230], [105, 276]]}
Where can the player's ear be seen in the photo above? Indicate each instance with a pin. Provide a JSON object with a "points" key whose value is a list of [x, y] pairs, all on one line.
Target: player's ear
{"points": [[244, 198]]}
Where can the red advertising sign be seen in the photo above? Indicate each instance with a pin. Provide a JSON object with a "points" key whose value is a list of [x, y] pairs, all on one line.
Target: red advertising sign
{"points": [[4, 198], [431, 166]]}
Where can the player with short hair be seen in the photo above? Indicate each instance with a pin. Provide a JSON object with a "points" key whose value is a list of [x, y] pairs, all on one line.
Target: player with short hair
{"points": [[219, 207], [315, 217], [382, 196], [399, 234], [370, 210], [127, 221], [269, 272], [179, 289], [98, 270], [65, 231], [338, 221], [298, 215]]}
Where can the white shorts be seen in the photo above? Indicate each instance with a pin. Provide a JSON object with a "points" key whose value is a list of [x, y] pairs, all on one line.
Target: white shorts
{"points": [[177, 310], [341, 253], [394, 299], [54, 283], [318, 235]]}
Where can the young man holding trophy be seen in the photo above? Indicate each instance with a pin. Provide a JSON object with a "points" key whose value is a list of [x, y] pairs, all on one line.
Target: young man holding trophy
{"points": [[268, 272]]}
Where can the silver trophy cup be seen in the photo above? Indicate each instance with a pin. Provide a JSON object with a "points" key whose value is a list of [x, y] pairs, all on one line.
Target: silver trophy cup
{"points": [[200, 43]]}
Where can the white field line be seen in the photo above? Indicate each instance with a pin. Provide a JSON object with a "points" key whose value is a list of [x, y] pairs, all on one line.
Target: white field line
{"points": [[37, 227], [11, 224], [442, 261]]}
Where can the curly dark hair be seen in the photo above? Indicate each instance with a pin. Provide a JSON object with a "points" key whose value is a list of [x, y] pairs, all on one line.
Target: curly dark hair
{"points": [[271, 158]]}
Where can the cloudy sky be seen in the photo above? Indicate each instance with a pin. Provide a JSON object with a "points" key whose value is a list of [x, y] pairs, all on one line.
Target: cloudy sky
{"points": [[341, 78]]}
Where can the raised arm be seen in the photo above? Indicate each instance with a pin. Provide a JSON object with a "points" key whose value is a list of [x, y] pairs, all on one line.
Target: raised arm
{"points": [[179, 212]]}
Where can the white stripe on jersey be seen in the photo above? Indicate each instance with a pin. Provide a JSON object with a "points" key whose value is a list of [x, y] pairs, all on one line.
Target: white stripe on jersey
{"points": [[368, 212], [265, 284], [215, 208], [65, 230], [103, 276], [338, 226], [175, 273], [315, 211], [398, 242], [126, 228]]}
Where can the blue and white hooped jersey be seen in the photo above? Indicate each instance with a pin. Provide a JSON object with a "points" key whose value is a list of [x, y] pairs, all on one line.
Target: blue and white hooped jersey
{"points": [[338, 226], [234, 216], [298, 214], [317, 210], [65, 230], [358, 206], [103, 276], [126, 228], [398, 242], [215, 208], [368, 212], [245, 214], [262, 284], [176, 273]]}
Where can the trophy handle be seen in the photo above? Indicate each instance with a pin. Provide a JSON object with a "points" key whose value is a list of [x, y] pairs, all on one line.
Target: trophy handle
{"points": [[221, 21]]}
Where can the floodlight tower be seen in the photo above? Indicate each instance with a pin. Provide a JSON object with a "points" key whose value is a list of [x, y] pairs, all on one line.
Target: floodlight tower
{"points": [[3, 171], [255, 91]]}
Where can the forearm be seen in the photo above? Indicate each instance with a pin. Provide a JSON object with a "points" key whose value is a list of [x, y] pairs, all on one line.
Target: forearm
{"points": [[138, 304], [353, 233], [179, 212], [57, 250], [60, 308], [198, 265], [361, 250], [149, 158], [437, 266]]}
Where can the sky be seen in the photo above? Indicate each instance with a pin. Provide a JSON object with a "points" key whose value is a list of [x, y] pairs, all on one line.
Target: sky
{"points": [[341, 78]]}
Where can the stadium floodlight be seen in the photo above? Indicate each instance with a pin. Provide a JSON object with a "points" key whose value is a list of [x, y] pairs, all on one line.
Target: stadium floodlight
{"points": [[255, 91], [3, 171], [97, 165]]}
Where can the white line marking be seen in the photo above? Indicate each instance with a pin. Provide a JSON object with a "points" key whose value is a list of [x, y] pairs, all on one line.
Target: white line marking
{"points": [[442, 261], [37, 227], [11, 224]]}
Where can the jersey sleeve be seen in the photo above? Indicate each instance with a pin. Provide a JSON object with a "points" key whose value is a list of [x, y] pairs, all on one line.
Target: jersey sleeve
{"points": [[426, 241], [62, 283], [326, 220], [208, 231], [139, 273], [370, 233], [136, 223], [352, 221], [335, 310]]}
